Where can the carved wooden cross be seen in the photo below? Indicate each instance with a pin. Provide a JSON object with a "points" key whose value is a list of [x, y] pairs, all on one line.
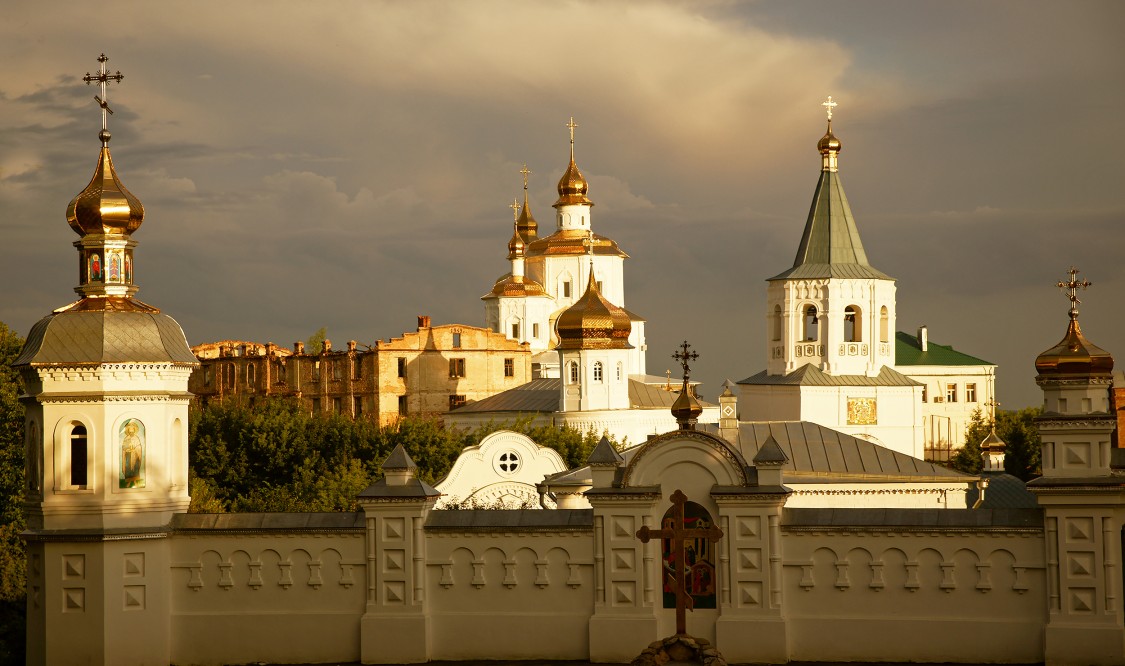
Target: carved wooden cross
{"points": [[678, 533]]}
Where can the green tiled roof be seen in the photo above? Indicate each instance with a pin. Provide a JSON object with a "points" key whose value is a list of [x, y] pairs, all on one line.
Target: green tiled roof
{"points": [[908, 351], [830, 246]]}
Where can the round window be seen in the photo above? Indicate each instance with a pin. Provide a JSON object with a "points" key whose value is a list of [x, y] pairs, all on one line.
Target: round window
{"points": [[507, 462]]}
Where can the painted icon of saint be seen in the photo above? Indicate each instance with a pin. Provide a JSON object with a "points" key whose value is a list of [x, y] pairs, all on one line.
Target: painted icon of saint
{"points": [[95, 267], [114, 268], [132, 454], [129, 269]]}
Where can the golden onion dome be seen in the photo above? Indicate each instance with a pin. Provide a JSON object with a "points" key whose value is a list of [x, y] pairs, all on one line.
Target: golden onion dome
{"points": [[573, 187], [593, 322], [992, 442], [1074, 355], [105, 206], [828, 143], [686, 409], [526, 224], [516, 246]]}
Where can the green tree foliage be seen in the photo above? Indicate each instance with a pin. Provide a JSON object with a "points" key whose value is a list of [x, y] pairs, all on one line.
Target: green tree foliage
{"points": [[274, 456], [13, 556], [1018, 431], [313, 344]]}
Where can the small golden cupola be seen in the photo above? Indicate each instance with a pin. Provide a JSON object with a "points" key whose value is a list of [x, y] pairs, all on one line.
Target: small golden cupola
{"points": [[593, 322], [105, 214], [1074, 354], [686, 409], [517, 245], [573, 186], [829, 145], [526, 225]]}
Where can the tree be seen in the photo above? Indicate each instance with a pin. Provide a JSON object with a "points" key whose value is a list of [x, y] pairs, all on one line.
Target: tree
{"points": [[13, 554], [316, 340], [1018, 431]]}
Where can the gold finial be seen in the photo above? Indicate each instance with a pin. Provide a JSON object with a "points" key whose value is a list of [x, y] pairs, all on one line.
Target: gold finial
{"points": [[515, 206], [103, 77], [1071, 287], [829, 105], [993, 404], [526, 172]]}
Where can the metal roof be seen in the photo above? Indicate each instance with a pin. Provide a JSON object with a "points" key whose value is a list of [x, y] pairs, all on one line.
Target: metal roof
{"points": [[908, 351], [95, 337], [544, 395], [830, 246], [820, 454], [811, 375]]}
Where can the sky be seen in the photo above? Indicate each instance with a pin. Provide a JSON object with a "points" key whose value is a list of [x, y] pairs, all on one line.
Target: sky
{"points": [[349, 165]]}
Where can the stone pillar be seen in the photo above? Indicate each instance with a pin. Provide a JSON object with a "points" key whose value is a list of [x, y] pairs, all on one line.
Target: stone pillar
{"points": [[395, 628]]}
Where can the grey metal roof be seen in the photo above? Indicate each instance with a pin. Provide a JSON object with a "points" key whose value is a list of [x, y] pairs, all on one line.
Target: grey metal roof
{"points": [[811, 375], [1004, 492], [538, 395], [819, 454], [514, 519], [770, 453], [398, 459], [830, 246], [936, 518], [297, 522], [604, 454], [106, 337]]}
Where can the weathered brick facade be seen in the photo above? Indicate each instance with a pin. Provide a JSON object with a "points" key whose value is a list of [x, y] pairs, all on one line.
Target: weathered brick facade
{"points": [[423, 372]]}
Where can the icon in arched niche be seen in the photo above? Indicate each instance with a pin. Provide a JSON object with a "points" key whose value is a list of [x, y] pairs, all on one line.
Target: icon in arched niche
{"points": [[128, 268], [699, 560], [132, 437], [95, 267], [114, 267]]}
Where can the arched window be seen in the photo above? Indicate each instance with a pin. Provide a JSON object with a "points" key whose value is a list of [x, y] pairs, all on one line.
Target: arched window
{"points": [[776, 323], [228, 375], [79, 476], [250, 375], [597, 371], [812, 324], [573, 371], [853, 327], [884, 325]]}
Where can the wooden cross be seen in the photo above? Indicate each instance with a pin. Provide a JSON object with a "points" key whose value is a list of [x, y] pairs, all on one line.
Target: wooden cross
{"points": [[678, 533], [684, 357], [829, 105], [515, 206], [103, 78], [1072, 286]]}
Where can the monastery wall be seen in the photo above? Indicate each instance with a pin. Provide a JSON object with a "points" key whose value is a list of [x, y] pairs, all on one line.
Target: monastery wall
{"points": [[279, 588], [922, 585], [508, 593]]}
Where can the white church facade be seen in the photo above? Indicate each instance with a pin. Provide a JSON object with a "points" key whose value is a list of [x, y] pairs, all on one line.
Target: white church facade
{"points": [[119, 574]]}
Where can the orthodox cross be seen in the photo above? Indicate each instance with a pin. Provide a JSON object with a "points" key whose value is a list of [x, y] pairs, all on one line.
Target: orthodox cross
{"points": [[829, 105], [515, 206], [684, 357], [525, 171], [103, 78], [1071, 288], [993, 404], [572, 125], [678, 532]]}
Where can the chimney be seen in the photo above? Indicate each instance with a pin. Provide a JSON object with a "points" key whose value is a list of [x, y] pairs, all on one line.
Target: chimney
{"points": [[423, 321], [298, 348], [923, 337], [351, 345], [326, 346]]}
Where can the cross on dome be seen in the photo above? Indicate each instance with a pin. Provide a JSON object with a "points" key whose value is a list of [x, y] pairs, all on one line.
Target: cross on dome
{"points": [[684, 357], [1071, 287], [526, 172], [515, 206], [829, 105], [103, 77]]}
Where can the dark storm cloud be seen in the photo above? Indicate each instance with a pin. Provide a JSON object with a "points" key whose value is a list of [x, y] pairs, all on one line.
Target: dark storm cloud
{"points": [[353, 169]]}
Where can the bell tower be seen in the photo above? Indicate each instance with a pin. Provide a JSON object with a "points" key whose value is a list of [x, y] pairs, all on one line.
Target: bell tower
{"points": [[107, 407]]}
